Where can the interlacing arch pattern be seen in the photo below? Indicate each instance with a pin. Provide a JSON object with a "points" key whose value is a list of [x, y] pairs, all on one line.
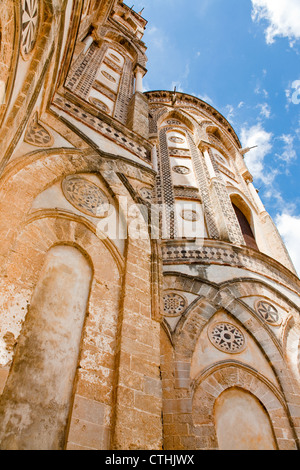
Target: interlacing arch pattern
{"points": [[193, 399]]}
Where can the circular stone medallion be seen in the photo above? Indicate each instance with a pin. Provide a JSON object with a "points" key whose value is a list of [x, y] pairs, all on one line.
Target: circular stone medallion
{"points": [[85, 196], [182, 170], [176, 140], [108, 76], [99, 104], [268, 312], [174, 304], [227, 338]]}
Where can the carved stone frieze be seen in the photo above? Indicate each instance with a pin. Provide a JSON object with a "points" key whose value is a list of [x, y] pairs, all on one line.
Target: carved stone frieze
{"points": [[224, 254]]}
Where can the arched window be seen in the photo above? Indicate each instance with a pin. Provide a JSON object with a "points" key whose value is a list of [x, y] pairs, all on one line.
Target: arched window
{"points": [[245, 227]]}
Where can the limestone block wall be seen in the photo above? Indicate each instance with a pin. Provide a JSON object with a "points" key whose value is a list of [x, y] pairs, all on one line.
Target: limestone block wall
{"points": [[117, 371]]}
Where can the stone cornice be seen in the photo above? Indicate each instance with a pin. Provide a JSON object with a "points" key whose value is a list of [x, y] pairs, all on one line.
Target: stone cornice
{"points": [[212, 252]]}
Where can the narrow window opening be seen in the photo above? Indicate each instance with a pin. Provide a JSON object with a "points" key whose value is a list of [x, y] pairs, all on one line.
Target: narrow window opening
{"points": [[246, 229]]}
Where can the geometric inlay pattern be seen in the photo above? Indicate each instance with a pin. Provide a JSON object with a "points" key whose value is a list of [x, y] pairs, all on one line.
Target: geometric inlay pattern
{"points": [[85, 196], [177, 140], [37, 135], [102, 127], [174, 304], [30, 17], [108, 76], [267, 311], [227, 338], [146, 193], [181, 170], [99, 104]]}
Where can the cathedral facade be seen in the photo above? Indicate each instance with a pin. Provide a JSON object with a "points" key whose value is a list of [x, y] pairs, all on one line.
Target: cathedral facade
{"points": [[147, 300]]}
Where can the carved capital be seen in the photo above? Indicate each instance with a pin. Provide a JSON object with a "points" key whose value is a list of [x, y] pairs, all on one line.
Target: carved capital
{"points": [[140, 69], [204, 145]]}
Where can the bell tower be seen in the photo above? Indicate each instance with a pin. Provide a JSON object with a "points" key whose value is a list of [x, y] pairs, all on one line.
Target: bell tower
{"points": [[106, 73]]}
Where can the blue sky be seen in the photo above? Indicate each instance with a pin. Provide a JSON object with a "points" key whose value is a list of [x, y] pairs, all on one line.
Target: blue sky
{"points": [[242, 57]]}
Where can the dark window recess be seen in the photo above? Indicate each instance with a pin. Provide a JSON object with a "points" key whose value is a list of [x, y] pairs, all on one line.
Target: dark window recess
{"points": [[246, 229]]}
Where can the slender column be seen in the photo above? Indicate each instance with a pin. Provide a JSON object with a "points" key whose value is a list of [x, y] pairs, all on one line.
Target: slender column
{"points": [[154, 157], [209, 165], [228, 226], [139, 74], [88, 42], [256, 197]]}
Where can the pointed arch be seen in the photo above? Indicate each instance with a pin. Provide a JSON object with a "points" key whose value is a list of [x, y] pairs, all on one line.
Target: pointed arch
{"points": [[222, 377], [212, 298], [190, 399], [176, 115], [112, 34], [218, 137], [24, 265]]}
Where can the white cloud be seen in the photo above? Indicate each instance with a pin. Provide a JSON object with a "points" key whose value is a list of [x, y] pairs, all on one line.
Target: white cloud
{"points": [[289, 229], [229, 113], [289, 153], [261, 91], [265, 110], [206, 98], [258, 136], [283, 17], [157, 38]]}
